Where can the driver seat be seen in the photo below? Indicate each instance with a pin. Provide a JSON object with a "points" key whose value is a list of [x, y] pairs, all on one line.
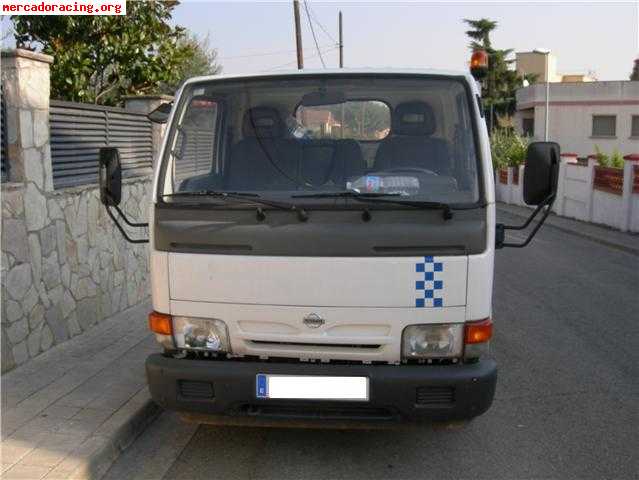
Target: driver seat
{"points": [[410, 143]]}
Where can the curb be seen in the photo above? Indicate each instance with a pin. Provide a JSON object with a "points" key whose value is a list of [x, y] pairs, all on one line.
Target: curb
{"points": [[96, 455], [570, 231]]}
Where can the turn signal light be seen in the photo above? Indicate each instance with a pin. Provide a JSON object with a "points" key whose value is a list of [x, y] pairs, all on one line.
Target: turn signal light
{"points": [[478, 332], [160, 323]]}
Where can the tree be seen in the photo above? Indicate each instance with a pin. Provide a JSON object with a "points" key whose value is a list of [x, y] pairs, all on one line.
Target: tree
{"points": [[480, 33], [502, 81], [99, 59], [635, 71], [202, 60]]}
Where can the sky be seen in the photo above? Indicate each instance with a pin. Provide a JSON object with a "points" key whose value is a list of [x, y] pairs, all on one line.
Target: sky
{"points": [[598, 37], [250, 36]]}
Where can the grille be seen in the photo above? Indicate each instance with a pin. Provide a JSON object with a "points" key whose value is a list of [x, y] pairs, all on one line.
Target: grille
{"points": [[435, 396], [320, 345], [199, 390], [318, 413]]}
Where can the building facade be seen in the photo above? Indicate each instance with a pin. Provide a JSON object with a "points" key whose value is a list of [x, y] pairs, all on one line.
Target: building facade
{"points": [[582, 115]]}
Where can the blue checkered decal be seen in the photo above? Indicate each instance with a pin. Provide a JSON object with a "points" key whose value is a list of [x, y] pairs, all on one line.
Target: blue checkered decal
{"points": [[430, 288]]}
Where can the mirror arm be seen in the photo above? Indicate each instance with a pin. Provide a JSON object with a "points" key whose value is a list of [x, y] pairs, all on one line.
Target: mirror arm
{"points": [[124, 234], [501, 228], [128, 222], [121, 213]]}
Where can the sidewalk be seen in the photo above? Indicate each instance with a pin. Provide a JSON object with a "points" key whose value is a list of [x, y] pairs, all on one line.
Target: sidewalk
{"points": [[628, 242], [72, 410]]}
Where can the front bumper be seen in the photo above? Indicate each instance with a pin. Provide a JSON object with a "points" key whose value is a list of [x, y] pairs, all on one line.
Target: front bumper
{"points": [[397, 392]]}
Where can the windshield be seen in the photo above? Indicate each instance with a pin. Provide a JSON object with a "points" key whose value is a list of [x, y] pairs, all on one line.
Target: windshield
{"points": [[281, 138]]}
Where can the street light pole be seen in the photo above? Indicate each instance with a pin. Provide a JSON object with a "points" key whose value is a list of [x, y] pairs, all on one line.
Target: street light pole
{"points": [[547, 98], [546, 53], [341, 42]]}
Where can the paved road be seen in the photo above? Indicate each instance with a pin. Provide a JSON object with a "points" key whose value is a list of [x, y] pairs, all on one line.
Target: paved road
{"points": [[567, 402]]}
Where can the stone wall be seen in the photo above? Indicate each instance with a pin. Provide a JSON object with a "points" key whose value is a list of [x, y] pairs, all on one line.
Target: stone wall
{"points": [[65, 267]]}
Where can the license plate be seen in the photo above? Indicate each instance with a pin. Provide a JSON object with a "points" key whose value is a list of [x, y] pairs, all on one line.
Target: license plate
{"points": [[311, 387]]}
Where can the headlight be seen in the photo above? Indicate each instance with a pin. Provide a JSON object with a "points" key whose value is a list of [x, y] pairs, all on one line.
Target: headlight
{"points": [[207, 334], [433, 341]]}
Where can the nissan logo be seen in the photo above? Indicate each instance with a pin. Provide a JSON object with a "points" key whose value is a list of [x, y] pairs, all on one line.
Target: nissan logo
{"points": [[313, 320]]}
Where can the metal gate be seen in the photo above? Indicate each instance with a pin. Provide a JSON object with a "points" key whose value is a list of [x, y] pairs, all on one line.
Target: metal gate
{"points": [[78, 131]]}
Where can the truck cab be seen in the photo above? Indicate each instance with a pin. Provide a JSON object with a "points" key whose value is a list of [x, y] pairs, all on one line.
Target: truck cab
{"points": [[322, 248]]}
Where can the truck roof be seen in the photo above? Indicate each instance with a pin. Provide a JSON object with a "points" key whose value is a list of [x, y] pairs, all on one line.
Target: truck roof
{"points": [[337, 71]]}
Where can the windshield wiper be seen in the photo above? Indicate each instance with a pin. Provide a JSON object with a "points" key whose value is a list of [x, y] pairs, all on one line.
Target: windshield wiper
{"points": [[210, 193], [251, 197], [379, 197], [347, 194]]}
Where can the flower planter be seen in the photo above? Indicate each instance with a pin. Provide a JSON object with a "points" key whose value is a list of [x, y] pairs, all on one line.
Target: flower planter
{"points": [[608, 179]]}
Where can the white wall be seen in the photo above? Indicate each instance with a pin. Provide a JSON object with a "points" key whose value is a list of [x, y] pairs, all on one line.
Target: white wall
{"points": [[577, 192], [576, 197], [606, 209], [634, 213], [572, 106]]}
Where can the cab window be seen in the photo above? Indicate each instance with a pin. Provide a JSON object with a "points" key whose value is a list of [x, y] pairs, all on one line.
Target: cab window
{"points": [[359, 120]]}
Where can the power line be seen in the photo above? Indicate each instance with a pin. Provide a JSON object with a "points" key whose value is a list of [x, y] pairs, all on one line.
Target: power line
{"points": [[279, 67], [310, 24], [315, 17], [265, 54]]}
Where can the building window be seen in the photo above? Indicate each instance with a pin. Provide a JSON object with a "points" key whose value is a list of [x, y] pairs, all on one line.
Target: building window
{"points": [[634, 127], [604, 125], [528, 127]]}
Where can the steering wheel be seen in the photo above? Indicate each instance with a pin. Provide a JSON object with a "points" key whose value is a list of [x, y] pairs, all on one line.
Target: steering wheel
{"points": [[411, 170]]}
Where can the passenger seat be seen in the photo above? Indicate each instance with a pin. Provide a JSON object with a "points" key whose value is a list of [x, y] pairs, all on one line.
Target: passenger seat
{"points": [[410, 143], [263, 159]]}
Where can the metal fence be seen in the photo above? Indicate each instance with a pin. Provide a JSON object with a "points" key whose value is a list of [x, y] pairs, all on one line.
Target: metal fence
{"points": [[78, 131], [198, 152], [4, 163]]}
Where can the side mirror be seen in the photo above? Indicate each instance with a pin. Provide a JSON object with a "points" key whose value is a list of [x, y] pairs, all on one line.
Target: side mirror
{"points": [[110, 176], [541, 173], [160, 114]]}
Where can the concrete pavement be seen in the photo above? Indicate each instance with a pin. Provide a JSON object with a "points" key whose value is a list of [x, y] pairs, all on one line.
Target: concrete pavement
{"points": [[70, 411], [567, 342]]}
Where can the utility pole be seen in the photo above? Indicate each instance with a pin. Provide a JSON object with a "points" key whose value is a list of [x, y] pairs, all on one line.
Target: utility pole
{"points": [[298, 35], [341, 42]]}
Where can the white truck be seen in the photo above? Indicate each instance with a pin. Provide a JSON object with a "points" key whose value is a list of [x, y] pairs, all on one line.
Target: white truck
{"points": [[322, 247]]}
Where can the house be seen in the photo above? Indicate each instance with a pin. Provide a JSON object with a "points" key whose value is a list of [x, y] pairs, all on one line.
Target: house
{"points": [[583, 113], [543, 65], [319, 121]]}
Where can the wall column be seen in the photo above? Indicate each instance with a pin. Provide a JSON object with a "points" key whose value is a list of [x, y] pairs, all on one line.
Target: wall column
{"points": [[26, 91], [626, 200], [592, 163]]}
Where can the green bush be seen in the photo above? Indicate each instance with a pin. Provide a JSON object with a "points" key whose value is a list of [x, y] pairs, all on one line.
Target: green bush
{"points": [[615, 160], [508, 149]]}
